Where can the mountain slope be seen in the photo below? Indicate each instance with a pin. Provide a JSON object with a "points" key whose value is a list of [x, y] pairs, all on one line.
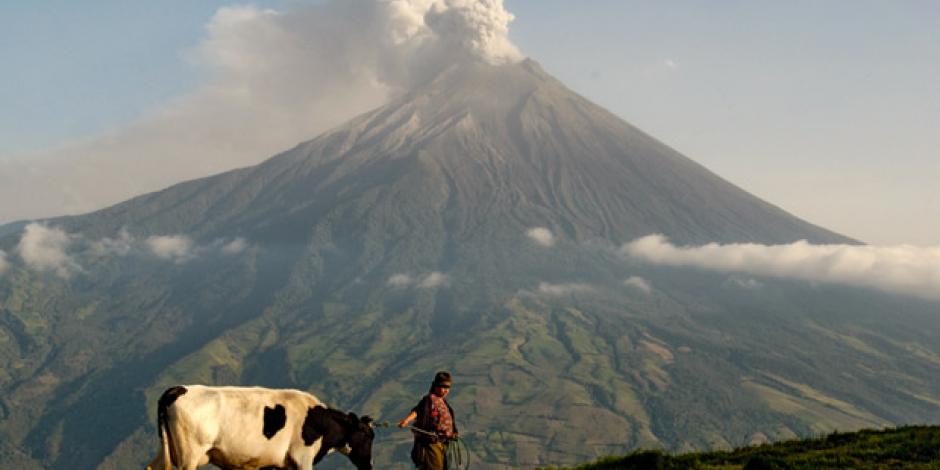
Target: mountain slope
{"points": [[396, 245], [505, 141]]}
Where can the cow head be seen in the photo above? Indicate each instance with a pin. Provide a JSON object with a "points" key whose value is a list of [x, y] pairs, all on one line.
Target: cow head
{"points": [[359, 439], [342, 432]]}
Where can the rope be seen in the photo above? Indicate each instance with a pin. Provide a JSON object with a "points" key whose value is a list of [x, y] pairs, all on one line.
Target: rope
{"points": [[458, 454]]}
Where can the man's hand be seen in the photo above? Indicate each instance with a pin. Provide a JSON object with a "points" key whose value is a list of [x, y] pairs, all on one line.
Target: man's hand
{"points": [[411, 417]]}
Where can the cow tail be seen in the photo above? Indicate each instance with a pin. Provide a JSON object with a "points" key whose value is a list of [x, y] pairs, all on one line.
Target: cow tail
{"points": [[165, 443], [166, 438]]}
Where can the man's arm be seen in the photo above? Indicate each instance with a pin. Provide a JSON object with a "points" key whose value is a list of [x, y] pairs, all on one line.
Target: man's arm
{"points": [[411, 417]]}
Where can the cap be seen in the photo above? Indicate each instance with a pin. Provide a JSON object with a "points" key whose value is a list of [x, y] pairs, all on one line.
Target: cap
{"points": [[442, 379]]}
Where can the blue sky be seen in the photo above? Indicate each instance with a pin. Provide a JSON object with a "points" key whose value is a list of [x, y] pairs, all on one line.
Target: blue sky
{"points": [[73, 69], [828, 109]]}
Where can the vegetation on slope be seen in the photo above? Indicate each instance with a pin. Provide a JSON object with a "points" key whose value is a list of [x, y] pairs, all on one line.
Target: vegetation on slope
{"points": [[911, 447]]}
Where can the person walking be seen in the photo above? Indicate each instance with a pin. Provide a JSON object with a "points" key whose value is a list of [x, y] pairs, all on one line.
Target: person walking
{"points": [[434, 426]]}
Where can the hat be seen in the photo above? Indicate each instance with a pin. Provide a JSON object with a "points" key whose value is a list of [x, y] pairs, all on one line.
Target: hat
{"points": [[442, 379]]}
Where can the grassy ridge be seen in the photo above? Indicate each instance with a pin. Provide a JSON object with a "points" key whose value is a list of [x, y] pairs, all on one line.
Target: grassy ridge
{"points": [[911, 447]]}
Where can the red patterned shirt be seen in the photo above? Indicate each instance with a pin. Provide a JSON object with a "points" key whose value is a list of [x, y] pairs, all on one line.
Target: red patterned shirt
{"points": [[441, 417]]}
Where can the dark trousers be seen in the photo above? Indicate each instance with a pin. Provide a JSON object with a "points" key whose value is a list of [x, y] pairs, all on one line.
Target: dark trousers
{"points": [[429, 455]]}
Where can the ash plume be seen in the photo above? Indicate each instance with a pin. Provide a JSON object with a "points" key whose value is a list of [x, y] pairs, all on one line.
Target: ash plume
{"points": [[273, 78]]}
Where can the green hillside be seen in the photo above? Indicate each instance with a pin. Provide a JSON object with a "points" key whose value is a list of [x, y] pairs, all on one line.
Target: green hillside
{"points": [[911, 447]]}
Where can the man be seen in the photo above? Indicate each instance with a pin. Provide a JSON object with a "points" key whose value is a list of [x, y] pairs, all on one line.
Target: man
{"points": [[435, 426]]}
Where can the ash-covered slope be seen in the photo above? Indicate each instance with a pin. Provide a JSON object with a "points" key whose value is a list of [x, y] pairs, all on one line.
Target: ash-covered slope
{"points": [[480, 145], [396, 245]]}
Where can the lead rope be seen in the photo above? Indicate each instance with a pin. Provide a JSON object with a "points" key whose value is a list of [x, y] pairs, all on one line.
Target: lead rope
{"points": [[458, 455]]}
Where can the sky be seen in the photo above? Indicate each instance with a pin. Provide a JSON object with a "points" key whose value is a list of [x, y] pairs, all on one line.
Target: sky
{"points": [[829, 110]]}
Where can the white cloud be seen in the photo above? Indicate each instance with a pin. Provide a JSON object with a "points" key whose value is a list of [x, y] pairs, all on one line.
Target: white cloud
{"points": [[400, 280], [120, 246], [432, 280], [178, 248], [558, 290], [4, 264], [274, 78], [45, 249], [234, 247], [746, 283], [902, 269], [671, 64], [541, 235], [428, 281], [639, 284]]}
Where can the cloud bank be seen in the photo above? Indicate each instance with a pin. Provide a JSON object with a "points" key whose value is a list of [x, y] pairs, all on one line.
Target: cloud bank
{"points": [[45, 248], [903, 269], [272, 79]]}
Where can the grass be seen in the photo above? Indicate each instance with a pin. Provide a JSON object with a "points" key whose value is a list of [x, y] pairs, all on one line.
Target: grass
{"points": [[910, 447]]}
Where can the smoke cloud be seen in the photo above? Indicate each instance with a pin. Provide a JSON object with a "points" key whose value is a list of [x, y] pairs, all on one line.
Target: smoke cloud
{"points": [[45, 249], [542, 236], [476, 27], [4, 264], [903, 269], [272, 79]]}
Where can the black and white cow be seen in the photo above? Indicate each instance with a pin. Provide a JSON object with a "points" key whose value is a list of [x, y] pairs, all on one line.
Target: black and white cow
{"points": [[240, 428]]}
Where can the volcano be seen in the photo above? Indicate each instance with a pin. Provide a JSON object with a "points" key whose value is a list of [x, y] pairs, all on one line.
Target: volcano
{"points": [[357, 264]]}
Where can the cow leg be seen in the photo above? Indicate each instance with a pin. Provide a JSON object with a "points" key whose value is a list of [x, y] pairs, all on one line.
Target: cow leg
{"points": [[192, 458], [303, 460], [193, 464]]}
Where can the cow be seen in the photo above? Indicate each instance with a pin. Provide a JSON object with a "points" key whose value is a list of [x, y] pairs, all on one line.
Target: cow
{"points": [[252, 428]]}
